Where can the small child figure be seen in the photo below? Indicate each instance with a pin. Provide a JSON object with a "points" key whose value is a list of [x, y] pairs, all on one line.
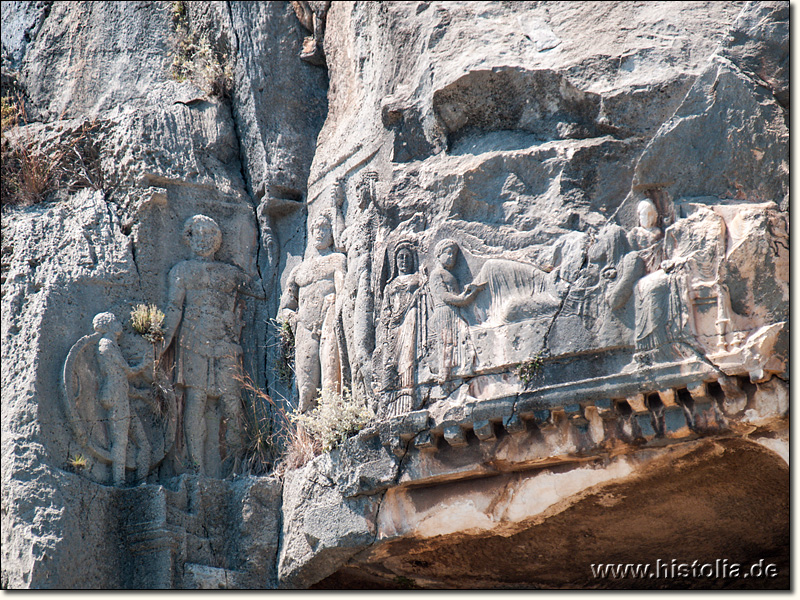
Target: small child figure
{"points": [[114, 398]]}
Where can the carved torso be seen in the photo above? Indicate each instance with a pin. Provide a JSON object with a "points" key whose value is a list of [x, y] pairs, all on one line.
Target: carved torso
{"points": [[316, 281], [114, 388], [211, 325]]}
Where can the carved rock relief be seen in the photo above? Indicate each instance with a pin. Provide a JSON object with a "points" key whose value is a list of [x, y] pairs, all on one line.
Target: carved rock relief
{"points": [[98, 402], [200, 424], [311, 303], [659, 296]]}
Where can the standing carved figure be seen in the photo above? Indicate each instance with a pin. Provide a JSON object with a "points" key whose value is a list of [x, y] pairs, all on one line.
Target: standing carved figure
{"points": [[113, 396], [203, 316], [106, 372], [454, 348], [401, 318], [311, 304], [358, 310]]}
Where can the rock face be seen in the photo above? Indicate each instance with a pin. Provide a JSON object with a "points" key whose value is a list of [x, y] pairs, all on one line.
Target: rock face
{"points": [[546, 244]]}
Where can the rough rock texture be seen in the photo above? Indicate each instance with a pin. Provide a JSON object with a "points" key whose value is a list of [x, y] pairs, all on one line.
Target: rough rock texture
{"points": [[546, 243]]}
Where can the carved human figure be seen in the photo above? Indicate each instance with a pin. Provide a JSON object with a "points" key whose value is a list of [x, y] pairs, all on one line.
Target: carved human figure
{"points": [[613, 313], [113, 397], [657, 299], [454, 348], [95, 364], [203, 317], [646, 237], [310, 304], [401, 313], [358, 309]]}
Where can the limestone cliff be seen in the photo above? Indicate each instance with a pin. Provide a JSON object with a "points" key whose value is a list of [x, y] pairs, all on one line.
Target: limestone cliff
{"points": [[544, 244]]}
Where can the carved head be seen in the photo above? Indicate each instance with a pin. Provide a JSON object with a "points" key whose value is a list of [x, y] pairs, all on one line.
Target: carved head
{"points": [[446, 252], [648, 214], [322, 233], [203, 235], [107, 323], [367, 188], [405, 259]]}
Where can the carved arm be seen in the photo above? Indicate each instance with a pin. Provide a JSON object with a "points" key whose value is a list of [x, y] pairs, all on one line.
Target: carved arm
{"points": [[174, 312], [287, 310]]}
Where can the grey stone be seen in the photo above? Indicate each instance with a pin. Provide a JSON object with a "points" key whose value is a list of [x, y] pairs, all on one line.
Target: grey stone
{"points": [[454, 435], [321, 529], [425, 440], [513, 424], [484, 431]]}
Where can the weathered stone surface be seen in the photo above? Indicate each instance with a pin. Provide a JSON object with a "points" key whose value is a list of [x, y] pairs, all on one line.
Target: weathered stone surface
{"points": [[321, 528], [651, 508]]}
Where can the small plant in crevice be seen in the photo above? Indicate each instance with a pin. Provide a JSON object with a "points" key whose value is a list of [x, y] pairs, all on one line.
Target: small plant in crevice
{"points": [[34, 165], [335, 418], [531, 370], [77, 463], [163, 391], [10, 113], [261, 443], [284, 366], [148, 321], [300, 448], [196, 60]]}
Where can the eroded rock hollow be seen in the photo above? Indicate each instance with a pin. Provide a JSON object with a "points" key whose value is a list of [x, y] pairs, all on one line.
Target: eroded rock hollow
{"points": [[528, 260]]}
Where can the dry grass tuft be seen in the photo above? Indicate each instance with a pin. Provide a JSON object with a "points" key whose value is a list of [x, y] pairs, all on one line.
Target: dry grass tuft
{"points": [[147, 320], [33, 167]]}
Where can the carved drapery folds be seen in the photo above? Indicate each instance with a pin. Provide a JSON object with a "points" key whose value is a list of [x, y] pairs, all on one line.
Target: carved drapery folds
{"points": [[401, 329]]}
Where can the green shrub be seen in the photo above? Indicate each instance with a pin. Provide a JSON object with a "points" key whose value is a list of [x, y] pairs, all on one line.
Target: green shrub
{"points": [[531, 370], [335, 418]]}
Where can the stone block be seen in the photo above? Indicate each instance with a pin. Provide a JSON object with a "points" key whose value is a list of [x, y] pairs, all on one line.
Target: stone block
{"points": [[493, 410], [425, 440], [675, 422], [484, 431], [412, 423], [644, 420], [603, 404], [454, 435], [513, 424]]}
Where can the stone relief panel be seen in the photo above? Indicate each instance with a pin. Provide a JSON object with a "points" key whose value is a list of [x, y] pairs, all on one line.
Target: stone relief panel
{"points": [[204, 319], [98, 399], [655, 296]]}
